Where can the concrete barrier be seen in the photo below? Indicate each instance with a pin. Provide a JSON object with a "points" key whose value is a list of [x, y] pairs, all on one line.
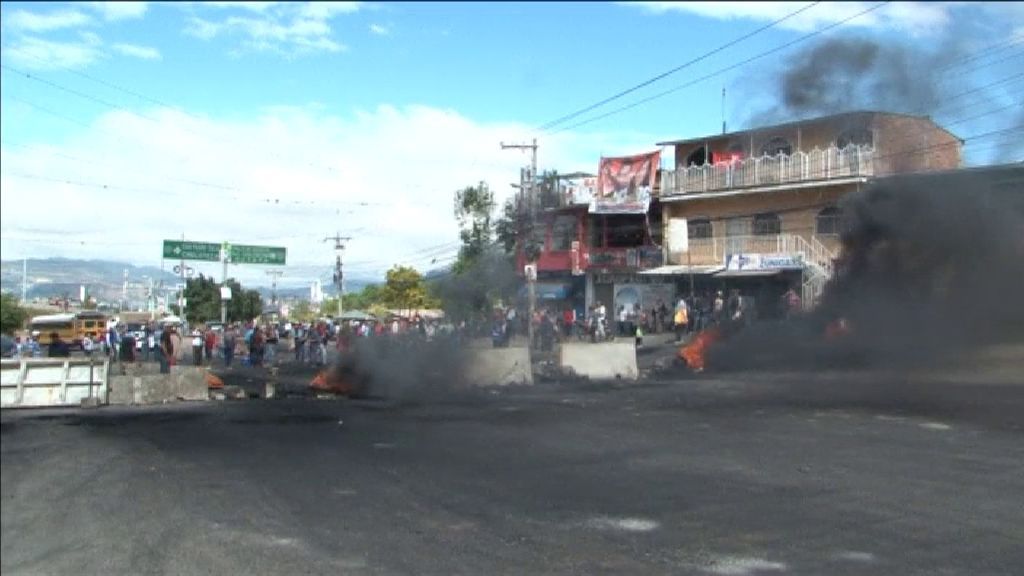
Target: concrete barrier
{"points": [[142, 384], [43, 382], [602, 361], [498, 367]]}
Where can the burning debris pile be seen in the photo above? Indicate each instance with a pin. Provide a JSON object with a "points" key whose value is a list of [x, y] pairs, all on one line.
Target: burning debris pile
{"points": [[402, 368], [930, 270]]}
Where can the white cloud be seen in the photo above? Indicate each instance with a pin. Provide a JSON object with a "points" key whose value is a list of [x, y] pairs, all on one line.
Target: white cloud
{"points": [[23, 20], [915, 17], [202, 29], [250, 6], [379, 30], [32, 53], [327, 10], [288, 178], [114, 11], [286, 28], [143, 52]]}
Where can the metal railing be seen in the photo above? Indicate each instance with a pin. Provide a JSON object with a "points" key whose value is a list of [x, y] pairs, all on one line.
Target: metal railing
{"points": [[817, 164], [710, 251]]}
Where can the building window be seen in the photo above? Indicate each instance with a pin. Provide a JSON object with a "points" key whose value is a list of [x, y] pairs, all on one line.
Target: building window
{"points": [[777, 146], [563, 232], [767, 225], [855, 137], [828, 221], [625, 231], [698, 157], [700, 228]]}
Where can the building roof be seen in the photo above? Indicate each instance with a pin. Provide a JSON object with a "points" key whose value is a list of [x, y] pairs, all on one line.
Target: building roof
{"points": [[829, 118]]}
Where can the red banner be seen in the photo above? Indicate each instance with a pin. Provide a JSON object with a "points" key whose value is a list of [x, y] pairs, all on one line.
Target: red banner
{"points": [[625, 184]]}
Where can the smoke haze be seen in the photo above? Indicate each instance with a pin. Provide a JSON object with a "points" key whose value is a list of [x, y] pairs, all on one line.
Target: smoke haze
{"points": [[931, 269]]}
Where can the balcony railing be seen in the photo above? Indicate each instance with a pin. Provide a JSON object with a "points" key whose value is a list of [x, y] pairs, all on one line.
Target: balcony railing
{"points": [[815, 165], [712, 251], [641, 257]]}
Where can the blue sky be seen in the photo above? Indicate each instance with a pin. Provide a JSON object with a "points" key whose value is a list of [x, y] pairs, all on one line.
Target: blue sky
{"points": [[282, 123]]}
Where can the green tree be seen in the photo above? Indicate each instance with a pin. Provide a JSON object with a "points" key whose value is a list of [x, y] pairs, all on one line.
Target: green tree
{"points": [[514, 229], [365, 298], [474, 206], [302, 312], [329, 307], [202, 296], [405, 289], [202, 299], [12, 315]]}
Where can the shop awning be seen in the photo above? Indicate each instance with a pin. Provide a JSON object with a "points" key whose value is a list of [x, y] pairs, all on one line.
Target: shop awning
{"points": [[748, 273], [674, 269]]}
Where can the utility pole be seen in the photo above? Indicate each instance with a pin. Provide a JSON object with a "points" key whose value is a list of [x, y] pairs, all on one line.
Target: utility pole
{"points": [[181, 299], [531, 277], [225, 253], [339, 276], [274, 274]]}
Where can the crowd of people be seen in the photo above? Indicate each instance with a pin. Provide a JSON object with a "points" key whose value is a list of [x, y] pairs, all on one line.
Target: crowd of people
{"points": [[257, 344]]}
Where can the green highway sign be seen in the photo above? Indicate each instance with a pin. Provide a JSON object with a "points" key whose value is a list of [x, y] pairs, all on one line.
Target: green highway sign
{"points": [[241, 254], [185, 250]]}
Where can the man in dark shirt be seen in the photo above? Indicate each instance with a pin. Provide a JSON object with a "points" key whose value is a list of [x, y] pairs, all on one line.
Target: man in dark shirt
{"points": [[127, 347], [58, 347]]}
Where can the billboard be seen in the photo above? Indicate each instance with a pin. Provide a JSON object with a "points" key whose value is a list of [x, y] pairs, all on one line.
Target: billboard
{"points": [[624, 184], [579, 190]]}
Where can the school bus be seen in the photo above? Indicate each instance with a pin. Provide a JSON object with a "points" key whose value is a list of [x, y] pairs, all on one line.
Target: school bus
{"points": [[72, 328]]}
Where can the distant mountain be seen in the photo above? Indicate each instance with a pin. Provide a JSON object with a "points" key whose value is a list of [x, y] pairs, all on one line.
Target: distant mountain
{"points": [[52, 277], [103, 279]]}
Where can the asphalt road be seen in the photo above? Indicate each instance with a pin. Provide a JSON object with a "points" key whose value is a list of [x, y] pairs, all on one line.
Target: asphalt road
{"points": [[736, 474]]}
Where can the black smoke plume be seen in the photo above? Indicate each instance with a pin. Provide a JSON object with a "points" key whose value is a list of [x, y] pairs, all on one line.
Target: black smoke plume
{"points": [[846, 74], [413, 367], [930, 271]]}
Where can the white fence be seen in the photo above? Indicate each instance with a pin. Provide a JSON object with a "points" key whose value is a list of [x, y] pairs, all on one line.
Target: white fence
{"points": [[42, 382], [800, 166]]}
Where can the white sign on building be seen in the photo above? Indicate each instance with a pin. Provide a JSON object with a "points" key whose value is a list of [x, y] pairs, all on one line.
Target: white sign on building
{"points": [[752, 261]]}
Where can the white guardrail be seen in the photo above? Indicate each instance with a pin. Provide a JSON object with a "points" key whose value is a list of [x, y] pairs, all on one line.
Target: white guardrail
{"points": [[48, 382]]}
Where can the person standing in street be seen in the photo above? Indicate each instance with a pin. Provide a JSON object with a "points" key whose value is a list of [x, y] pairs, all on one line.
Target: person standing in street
{"points": [[166, 351], [88, 346], [229, 346], [58, 347], [209, 344], [179, 348], [197, 348], [681, 319]]}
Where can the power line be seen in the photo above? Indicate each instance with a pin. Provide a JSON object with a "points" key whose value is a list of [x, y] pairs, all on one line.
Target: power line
{"points": [[723, 70], [667, 73]]}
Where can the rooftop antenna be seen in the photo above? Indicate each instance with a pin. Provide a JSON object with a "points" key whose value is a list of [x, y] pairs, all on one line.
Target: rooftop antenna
{"points": [[723, 109]]}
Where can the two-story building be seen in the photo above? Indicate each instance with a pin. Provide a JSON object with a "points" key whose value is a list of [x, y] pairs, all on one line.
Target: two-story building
{"points": [[757, 210], [589, 256]]}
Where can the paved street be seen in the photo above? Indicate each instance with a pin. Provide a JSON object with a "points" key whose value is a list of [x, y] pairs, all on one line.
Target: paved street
{"points": [[737, 474]]}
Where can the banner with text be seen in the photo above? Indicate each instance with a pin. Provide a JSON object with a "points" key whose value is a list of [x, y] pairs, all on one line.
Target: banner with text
{"points": [[625, 184]]}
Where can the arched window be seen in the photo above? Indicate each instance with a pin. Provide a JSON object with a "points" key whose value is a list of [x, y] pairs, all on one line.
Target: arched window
{"points": [[855, 137], [776, 146], [828, 221], [699, 228], [767, 224]]}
